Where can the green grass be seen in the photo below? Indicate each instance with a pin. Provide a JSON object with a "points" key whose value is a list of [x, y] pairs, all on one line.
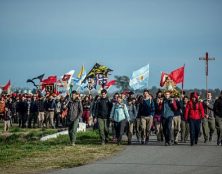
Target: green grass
{"points": [[22, 152]]}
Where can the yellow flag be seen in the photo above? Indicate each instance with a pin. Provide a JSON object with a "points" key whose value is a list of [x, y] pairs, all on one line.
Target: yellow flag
{"points": [[81, 72]]}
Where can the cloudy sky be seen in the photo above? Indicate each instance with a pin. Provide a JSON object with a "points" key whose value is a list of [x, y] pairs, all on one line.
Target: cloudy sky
{"points": [[55, 36]]}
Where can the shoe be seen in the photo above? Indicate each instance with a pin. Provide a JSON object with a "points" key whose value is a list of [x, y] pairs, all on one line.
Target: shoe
{"points": [[210, 139], [129, 142], [205, 141], [72, 144], [103, 143], [219, 143], [175, 142], [166, 144]]}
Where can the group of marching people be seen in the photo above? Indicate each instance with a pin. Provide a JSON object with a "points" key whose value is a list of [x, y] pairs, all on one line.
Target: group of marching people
{"points": [[33, 111], [169, 117], [166, 115]]}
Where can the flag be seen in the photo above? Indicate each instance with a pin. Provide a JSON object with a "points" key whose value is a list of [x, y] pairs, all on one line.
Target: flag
{"points": [[164, 77], [177, 75], [110, 83], [35, 78], [92, 83], [81, 76], [81, 72], [139, 78], [39, 77], [102, 79], [97, 69], [67, 79], [7, 86], [49, 80], [31, 81]]}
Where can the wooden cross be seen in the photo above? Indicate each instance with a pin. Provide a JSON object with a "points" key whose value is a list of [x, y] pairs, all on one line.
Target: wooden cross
{"points": [[206, 59]]}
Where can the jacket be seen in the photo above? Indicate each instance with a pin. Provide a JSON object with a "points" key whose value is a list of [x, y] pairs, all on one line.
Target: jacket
{"points": [[119, 112], [168, 108], [195, 113], [132, 112], [75, 110], [178, 111], [209, 109], [41, 105], [22, 107], [146, 108], [50, 105], [34, 107], [103, 108], [218, 107]]}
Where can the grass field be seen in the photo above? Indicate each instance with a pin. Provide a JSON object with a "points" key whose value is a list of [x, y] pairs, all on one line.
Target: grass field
{"points": [[22, 152]]}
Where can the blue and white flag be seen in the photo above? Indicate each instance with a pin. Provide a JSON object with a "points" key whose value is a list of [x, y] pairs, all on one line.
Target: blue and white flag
{"points": [[139, 78]]}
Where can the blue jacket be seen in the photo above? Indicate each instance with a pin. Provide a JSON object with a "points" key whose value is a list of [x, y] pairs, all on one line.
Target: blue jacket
{"points": [[168, 109], [119, 112], [146, 108], [132, 112]]}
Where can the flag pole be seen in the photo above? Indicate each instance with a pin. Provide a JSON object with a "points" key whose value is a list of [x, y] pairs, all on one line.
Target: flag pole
{"points": [[183, 80]]}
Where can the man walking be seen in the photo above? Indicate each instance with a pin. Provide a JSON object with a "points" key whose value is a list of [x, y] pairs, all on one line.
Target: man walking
{"points": [[209, 121], [103, 110], [75, 111], [146, 113], [218, 115]]}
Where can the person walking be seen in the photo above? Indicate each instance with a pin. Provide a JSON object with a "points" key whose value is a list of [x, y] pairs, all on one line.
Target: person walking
{"points": [[119, 115], [74, 112], [132, 119], [146, 113], [103, 109], [218, 118], [208, 122], [194, 112], [169, 106]]}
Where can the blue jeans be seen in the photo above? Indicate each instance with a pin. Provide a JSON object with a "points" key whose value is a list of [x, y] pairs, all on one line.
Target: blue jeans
{"points": [[194, 130]]}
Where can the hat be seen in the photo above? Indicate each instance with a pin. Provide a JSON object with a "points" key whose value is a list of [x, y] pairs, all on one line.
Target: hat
{"points": [[194, 95]]}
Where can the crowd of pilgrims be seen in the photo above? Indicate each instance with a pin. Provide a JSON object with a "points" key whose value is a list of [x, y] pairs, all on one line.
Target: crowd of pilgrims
{"points": [[172, 119]]}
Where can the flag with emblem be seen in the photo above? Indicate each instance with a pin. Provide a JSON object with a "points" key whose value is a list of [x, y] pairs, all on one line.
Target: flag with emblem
{"points": [[139, 78]]}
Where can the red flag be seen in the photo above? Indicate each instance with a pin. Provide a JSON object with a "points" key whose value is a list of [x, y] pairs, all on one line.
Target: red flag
{"points": [[163, 78], [177, 75], [7, 86], [111, 83], [50, 80]]}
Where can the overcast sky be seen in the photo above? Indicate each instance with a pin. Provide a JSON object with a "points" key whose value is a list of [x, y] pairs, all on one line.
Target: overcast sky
{"points": [[55, 36]]}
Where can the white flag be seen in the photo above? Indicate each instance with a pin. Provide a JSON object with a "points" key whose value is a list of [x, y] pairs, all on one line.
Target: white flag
{"points": [[139, 78]]}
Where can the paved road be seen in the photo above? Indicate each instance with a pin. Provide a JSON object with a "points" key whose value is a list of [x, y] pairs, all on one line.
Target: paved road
{"points": [[155, 158]]}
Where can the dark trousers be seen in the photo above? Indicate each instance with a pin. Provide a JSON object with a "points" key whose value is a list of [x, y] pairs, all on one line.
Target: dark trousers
{"points": [[194, 130], [167, 128], [24, 117], [32, 117], [104, 129], [119, 129], [72, 129], [57, 119]]}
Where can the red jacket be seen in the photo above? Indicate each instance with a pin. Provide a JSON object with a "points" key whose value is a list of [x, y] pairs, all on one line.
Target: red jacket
{"points": [[196, 113]]}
